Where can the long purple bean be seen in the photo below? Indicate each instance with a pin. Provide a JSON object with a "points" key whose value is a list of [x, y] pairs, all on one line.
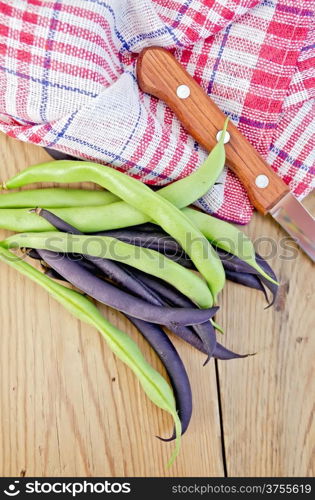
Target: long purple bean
{"points": [[33, 254], [220, 352], [118, 273], [143, 285], [175, 368], [204, 331], [162, 242], [224, 354], [159, 241], [186, 333], [234, 263], [265, 266], [148, 236], [271, 286], [169, 293], [112, 296], [149, 232]]}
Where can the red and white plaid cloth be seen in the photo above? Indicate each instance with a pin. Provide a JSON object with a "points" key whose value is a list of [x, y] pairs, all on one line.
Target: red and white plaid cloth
{"points": [[67, 80]]}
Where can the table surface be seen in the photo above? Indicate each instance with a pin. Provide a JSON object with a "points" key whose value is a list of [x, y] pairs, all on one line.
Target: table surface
{"points": [[68, 407]]}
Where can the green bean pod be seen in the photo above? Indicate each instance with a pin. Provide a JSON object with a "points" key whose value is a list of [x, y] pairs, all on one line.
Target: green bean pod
{"points": [[227, 237], [181, 193], [87, 219], [189, 189], [56, 198], [141, 197], [144, 259], [118, 215], [155, 386]]}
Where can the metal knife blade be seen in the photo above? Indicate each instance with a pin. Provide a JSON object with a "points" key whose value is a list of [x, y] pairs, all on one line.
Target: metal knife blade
{"points": [[297, 221]]}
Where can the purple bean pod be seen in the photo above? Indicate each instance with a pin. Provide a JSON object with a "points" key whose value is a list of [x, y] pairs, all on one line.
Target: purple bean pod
{"points": [[169, 293], [149, 232], [108, 294], [121, 274], [163, 243], [204, 331], [159, 241], [220, 352], [207, 335], [174, 366]]}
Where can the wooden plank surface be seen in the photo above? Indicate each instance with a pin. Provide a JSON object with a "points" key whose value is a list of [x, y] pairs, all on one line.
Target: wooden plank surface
{"points": [[68, 407], [268, 399]]}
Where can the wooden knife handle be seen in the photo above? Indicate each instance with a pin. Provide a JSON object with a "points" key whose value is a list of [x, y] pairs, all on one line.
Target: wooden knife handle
{"points": [[160, 74]]}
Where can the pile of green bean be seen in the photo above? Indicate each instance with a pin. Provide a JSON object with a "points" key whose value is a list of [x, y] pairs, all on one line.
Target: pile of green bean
{"points": [[137, 251]]}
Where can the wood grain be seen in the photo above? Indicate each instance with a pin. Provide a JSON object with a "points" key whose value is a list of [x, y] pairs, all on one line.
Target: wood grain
{"points": [[159, 74], [68, 407], [268, 400]]}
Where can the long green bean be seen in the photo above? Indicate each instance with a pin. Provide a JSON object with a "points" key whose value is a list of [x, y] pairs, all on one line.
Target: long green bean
{"points": [[145, 259], [141, 197], [155, 386], [181, 193], [227, 237], [187, 190], [118, 215], [86, 219], [56, 198]]}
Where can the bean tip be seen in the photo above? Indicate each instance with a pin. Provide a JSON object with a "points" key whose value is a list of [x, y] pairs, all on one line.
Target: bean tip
{"points": [[207, 361], [251, 354], [3, 186], [36, 210], [226, 123], [270, 304], [167, 440]]}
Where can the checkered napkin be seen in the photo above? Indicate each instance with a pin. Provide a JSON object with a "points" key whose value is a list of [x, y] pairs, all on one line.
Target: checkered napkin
{"points": [[67, 80]]}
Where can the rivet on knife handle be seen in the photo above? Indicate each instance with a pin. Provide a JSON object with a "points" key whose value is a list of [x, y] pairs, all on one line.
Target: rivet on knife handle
{"points": [[162, 76]]}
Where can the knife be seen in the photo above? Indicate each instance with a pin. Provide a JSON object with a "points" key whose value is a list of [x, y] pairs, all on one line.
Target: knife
{"points": [[162, 76]]}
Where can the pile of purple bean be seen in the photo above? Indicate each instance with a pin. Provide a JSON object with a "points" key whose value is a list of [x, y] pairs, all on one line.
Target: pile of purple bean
{"points": [[148, 301]]}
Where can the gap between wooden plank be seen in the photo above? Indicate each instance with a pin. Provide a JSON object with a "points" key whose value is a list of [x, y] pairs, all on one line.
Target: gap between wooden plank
{"points": [[266, 399]]}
